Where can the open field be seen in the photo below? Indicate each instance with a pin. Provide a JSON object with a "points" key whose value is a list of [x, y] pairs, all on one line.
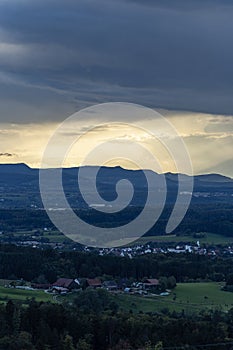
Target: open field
{"points": [[190, 297], [53, 236], [57, 238], [209, 238], [23, 295]]}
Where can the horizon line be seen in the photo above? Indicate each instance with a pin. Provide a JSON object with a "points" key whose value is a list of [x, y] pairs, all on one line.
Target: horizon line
{"points": [[117, 166]]}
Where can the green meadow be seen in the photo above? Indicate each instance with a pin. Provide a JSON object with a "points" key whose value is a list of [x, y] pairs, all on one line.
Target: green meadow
{"points": [[190, 297], [209, 238], [23, 295]]}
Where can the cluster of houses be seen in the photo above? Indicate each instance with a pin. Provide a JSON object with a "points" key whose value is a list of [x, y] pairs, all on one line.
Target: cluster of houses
{"points": [[65, 285], [151, 248], [135, 250], [140, 249]]}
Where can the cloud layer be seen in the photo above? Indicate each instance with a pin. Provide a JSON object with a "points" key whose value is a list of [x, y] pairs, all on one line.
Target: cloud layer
{"points": [[58, 56]]}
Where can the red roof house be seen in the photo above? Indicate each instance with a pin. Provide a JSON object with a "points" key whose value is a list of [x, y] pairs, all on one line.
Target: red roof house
{"points": [[67, 283], [151, 283], [94, 282]]}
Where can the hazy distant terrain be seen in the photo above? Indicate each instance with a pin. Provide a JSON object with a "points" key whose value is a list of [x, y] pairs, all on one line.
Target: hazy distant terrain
{"points": [[210, 210], [19, 186]]}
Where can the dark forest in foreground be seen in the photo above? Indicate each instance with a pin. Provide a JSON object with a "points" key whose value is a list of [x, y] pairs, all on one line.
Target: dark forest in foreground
{"points": [[44, 326]]}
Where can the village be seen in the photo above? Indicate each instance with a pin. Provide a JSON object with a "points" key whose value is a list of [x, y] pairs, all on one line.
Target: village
{"points": [[152, 248], [141, 249], [135, 249]]}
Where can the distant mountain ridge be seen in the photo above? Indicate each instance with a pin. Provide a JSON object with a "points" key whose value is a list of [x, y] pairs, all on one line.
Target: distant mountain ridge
{"points": [[22, 168], [19, 168], [19, 181]]}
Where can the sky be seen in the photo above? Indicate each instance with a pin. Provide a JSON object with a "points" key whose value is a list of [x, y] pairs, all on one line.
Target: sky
{"points": [[175, 56]]}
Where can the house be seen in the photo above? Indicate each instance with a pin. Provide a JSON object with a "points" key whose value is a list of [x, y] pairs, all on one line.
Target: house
{"points": [[67, 283], [110, 285], [94, 283], [151, 283]]}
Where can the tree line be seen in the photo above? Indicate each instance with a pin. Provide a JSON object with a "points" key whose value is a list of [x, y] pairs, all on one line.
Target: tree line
{"points": [[30, 264], [200, 217]]}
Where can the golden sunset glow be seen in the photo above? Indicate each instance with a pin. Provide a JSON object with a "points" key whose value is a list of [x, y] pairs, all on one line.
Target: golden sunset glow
{"points": [[209, 140]]}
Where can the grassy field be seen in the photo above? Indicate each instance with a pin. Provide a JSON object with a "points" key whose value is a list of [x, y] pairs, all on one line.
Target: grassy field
{"points": [[57, 238], [209, 238], [53, 237], [23, 295], [190, 297]]}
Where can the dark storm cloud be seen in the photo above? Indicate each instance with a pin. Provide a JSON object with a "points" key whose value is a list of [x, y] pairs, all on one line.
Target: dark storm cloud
{"points": [[170, 54]]}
